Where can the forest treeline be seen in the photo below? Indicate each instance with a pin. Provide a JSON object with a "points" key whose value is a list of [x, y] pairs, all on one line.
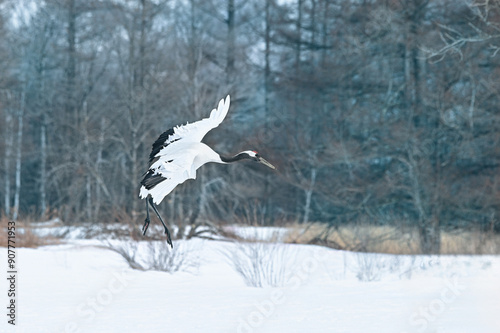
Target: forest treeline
{"points": [[374, 112]]}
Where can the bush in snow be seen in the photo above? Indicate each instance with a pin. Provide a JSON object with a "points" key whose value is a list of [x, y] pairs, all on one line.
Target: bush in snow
{"points": [[261, 264], [128, 250], [157, 255], [25, 235], [161, 257], [373, 266]]}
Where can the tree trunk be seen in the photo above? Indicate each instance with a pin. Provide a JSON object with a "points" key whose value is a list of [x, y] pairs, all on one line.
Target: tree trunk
{"points": [[43, 166], [71, 66], [267, 88], [192, 63], [313, 29], [267, 52], [231, 42], [19, 156], [418, 121], [309, 192], [99, 161], [324, 32], [134, 176], [86, 162], [142, 47], [298, 27], [7, 160]]}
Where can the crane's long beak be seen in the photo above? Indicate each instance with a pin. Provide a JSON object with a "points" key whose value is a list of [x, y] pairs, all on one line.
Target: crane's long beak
{"points": [[266, 163]]}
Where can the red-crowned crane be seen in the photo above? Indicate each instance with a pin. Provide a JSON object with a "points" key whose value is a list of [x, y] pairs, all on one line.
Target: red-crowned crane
{"points": [[178, 153]]}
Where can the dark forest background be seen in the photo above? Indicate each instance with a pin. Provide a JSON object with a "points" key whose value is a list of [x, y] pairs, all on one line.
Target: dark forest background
{"points": [[379, 112]]}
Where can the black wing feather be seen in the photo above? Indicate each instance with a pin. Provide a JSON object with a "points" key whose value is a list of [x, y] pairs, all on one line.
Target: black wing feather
{"points": [[160, 143], [150, 180]]}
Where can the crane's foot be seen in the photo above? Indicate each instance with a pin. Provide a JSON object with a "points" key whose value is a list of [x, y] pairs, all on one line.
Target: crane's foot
{"points": [[169, 239], [145, 227]]}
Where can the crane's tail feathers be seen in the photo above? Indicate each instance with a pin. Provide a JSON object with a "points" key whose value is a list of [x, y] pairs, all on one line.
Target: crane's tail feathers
{"points": [[143, 193], [158, 192]]}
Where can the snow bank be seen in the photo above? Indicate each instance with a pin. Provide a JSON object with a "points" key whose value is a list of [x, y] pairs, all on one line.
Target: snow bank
{"points": [[80, 287]]}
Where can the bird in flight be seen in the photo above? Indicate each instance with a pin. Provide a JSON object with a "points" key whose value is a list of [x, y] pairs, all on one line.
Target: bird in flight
{"points": [[178, 153]]}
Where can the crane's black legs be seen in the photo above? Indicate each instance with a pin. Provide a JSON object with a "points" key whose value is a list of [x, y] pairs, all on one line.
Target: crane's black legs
{"points": [[146, 222], [151, 203]]}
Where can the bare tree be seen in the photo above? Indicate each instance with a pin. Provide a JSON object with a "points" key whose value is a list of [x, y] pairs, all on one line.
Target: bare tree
{"points": [[375, 112]]}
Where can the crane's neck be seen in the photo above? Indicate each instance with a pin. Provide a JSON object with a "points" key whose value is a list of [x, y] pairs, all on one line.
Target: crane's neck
{"points": [[235, 158]]}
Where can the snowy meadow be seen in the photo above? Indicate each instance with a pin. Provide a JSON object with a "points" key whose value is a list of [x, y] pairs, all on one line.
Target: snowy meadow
{"points": [[126, 285], [380, 121]]}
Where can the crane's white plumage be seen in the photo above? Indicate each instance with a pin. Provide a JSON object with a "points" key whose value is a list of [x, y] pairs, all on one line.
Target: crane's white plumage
{"points": [[178, 153]]}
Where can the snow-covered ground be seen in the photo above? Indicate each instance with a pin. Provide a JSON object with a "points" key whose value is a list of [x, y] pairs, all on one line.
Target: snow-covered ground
{"points": [[82, 287]]}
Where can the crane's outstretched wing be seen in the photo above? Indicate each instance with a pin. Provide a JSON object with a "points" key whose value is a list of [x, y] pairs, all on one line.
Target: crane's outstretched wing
{"points": [[168, 172], [193, 132], [172, 159]]}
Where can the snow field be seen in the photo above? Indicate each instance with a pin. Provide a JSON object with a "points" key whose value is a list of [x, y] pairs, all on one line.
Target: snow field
{"points": [[81, 287]]}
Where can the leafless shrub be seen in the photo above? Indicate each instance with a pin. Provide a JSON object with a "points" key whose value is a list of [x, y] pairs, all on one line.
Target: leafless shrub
{"points": [[161, 257], [390, 239], [369, 267], [359, 238], [253, 214], [24, 235], [157, 255], [373, 266], [128, 250], [260, 264]]}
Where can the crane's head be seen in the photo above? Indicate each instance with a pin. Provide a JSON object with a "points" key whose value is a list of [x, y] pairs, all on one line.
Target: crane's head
{"points": [[254, 156]]}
